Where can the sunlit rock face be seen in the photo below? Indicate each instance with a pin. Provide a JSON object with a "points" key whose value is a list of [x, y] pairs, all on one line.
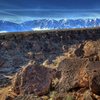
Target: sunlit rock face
{"points": [[47, 24]]}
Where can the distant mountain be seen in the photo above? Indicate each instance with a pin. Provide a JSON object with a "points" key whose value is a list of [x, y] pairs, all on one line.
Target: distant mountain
{"points": [[42, 24]]}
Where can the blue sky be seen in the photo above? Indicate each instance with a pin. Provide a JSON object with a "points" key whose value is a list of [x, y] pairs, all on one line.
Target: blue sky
{"points": [[49, 4], [32, 9]]}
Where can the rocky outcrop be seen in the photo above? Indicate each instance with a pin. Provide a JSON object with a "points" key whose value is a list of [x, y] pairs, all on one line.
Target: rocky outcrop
{"points": [[34, 79], [92, 50], [79, 73], [73, 74]]}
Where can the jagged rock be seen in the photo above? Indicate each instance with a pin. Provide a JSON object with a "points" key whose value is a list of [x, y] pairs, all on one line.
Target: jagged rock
{"points": [[33, 78], [79, 73], [94, 74], [89, 48], [73, 74]]}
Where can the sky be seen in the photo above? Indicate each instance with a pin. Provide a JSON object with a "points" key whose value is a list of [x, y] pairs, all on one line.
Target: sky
{"points": [[49, 4], [18, 10]]}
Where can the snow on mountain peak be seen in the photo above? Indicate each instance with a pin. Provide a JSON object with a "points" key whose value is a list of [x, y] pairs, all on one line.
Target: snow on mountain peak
{"points": [[47, 24]]}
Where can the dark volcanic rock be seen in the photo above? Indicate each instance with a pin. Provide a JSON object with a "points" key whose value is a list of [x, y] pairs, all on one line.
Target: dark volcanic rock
{"points": [[34, 79], [73, 74]]}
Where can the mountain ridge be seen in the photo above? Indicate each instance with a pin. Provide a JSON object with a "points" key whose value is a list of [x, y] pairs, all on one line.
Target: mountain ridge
{"points": [[47, 24]]}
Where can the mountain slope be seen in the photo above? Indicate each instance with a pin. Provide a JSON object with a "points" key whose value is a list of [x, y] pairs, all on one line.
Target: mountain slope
{"points": [[47, 24]]}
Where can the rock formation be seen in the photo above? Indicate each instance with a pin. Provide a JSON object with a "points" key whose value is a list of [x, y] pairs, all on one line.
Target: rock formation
{"points": [[73, 74], [33, 78]]}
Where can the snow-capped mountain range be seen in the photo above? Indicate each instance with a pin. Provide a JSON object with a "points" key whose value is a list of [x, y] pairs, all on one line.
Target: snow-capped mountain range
{"points": [[47, 24]]}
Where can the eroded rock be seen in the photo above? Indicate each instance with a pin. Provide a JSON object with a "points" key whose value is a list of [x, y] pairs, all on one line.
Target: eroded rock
{"points": [[33, 78], [79, 73], [73, 74]]}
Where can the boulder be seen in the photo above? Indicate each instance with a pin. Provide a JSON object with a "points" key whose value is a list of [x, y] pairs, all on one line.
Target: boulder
{"points": [[73, 74], [32, 79], [78, 73]]}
